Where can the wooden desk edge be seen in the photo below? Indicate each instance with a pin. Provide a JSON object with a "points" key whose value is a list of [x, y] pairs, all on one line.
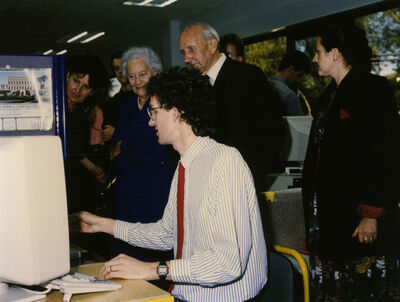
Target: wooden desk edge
{"points": [[93, 269]]}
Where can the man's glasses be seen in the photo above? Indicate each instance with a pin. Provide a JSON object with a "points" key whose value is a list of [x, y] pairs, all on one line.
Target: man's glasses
{"points": [[152, 111]]}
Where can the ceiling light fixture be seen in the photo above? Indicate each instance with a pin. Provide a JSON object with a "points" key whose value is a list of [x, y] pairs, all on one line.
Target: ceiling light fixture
{"points": [[93, 37], [141, 2], [77, 36], [62, 52], [48, 52], [278, 29], [167, 3], [154, 3]]}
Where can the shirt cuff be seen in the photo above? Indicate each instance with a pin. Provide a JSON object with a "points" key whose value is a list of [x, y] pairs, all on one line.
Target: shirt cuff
{"points": [[370, 211], [180, 271]]}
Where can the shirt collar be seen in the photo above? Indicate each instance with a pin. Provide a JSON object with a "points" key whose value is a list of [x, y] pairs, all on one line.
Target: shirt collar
{"points": [[193, 150], [214, 70], [277, 78]]}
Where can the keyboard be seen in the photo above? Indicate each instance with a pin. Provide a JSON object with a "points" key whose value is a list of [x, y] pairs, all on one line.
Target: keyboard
{"points": [[74, 283]]}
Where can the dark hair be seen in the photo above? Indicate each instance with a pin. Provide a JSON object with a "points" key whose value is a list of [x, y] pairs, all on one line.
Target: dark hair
{"points": [[299, 60], [116, 55], [234, 40], [90, 65], [350, 41], [190, 93]]}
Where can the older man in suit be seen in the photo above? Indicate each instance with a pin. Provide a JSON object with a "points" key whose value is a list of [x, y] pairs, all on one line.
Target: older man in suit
{"points": [[249, 114]]}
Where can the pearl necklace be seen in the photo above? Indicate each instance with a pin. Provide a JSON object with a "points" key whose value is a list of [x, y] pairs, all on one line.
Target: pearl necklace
{"points": [[138, 103]]}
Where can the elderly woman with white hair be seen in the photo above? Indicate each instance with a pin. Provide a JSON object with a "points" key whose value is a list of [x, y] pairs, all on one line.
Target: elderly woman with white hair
{"points": [[144, 167]]}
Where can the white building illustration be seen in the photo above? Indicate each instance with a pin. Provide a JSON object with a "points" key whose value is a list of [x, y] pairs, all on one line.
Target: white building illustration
{"points": [[19, 85]]}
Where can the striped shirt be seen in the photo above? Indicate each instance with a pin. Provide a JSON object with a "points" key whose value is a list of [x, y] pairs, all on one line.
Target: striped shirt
{"points": [[224, 254]]}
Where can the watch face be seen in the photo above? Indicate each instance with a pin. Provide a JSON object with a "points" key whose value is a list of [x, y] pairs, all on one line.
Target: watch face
{"points": [[163, 270]]}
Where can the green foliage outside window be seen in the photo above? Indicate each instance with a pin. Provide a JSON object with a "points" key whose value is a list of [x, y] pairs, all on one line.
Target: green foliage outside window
{"points": [[383, 32], [266, 54]]}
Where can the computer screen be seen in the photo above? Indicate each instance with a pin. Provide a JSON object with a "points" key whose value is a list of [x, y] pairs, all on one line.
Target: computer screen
{"points": [[34, 241], [31, 95], [297, 130]]}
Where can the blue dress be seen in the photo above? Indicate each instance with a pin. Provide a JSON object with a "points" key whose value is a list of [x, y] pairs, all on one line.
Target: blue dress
{"points": [[144, 173]]}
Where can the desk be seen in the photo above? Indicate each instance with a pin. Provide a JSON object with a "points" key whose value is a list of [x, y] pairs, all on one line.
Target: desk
{"points": [[131, 291]]}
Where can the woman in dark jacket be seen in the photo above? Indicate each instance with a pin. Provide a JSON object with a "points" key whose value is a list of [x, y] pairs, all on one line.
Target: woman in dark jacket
{"points": [[86, 80], [145, 168], [351, 176]]}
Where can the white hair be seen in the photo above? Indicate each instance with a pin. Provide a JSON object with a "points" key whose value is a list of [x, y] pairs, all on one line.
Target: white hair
{"points": [[137, 53], [208, 31]]}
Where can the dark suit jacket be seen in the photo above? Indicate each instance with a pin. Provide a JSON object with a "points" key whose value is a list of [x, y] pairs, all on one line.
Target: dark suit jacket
{"points": [[358, 164], [249, 117]]}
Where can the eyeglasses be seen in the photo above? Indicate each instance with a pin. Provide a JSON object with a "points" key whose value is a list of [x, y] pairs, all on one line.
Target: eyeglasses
{"points": [[152, 111]]}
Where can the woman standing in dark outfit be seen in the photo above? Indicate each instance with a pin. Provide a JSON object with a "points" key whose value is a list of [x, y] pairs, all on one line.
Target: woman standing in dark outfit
{"points": [[144, 167], [351, 176], [86, 76]]}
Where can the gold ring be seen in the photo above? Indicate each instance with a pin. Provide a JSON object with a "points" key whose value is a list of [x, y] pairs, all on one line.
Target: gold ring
{"points": [[366, 238], [111, 268]]}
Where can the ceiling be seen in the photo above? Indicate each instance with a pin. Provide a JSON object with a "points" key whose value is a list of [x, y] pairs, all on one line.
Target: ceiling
{"points": [[34, 26]]}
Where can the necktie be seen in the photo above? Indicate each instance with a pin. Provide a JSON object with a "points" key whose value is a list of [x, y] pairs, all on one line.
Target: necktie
{"points": [[179, 212], [209, 79], [179, 206]]}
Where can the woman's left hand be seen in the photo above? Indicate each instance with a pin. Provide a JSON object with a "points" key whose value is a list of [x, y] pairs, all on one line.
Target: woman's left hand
{"points": [[366, 230], [115, 150], [98, 173]]}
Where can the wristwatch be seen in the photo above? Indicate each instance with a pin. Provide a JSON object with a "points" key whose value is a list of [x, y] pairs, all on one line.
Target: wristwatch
{"points": [[162, 270]]}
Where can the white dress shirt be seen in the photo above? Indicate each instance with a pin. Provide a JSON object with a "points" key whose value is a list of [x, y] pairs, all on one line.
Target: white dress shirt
{"points": [[214, 70], [224, 256]]}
